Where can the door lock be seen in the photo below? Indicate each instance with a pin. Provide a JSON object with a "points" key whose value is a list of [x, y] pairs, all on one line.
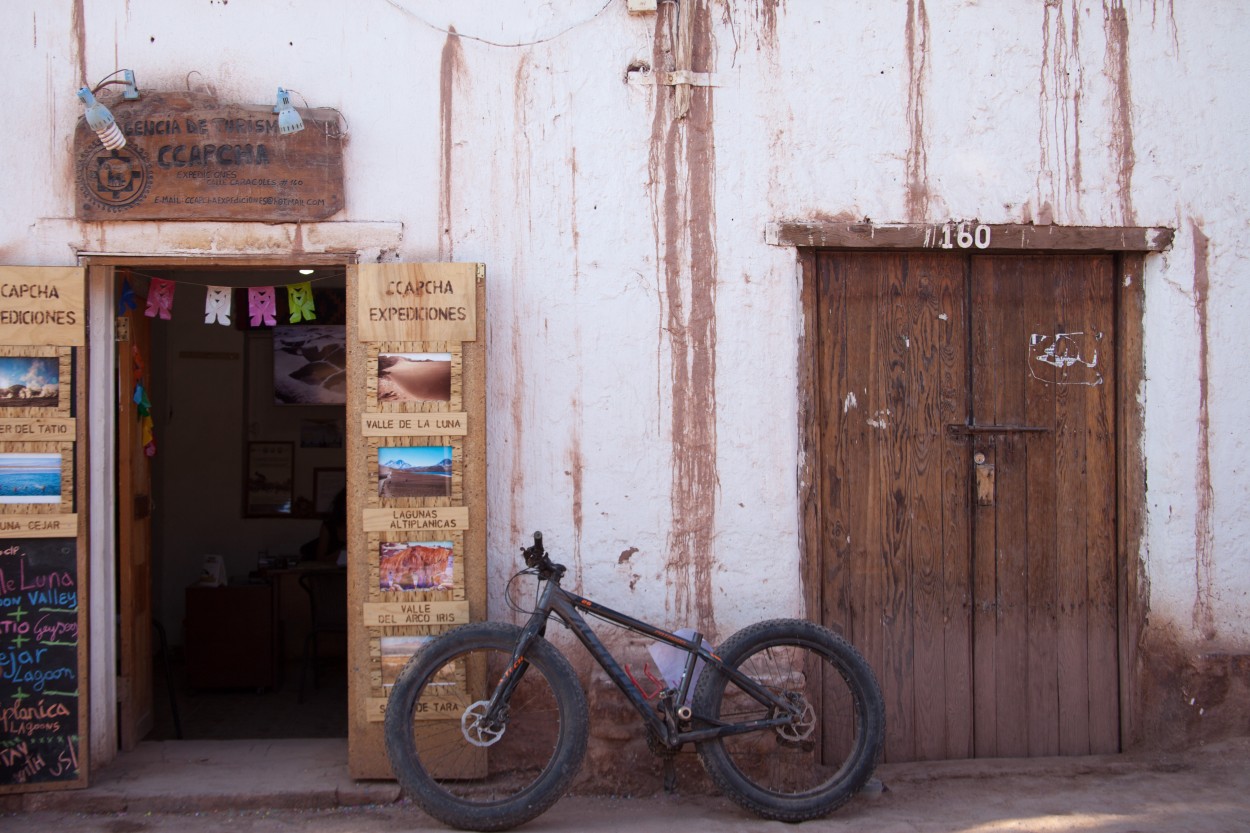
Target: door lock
{"points": [[984, 478]]}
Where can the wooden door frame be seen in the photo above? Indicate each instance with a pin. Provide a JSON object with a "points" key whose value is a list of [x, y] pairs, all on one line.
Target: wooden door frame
{"points": [[102, 473], [1130, 247]]}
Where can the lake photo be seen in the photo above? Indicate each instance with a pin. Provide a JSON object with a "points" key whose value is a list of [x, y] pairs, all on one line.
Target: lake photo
{"points": [[414, 471], [30, 478]]}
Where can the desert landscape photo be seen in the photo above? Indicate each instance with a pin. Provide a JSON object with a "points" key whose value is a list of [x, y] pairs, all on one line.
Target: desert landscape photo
{"points": [[414, 377], [416, 565]]}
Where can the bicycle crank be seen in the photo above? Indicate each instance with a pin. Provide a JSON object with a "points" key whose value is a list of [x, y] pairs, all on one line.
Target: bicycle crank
{"points": [[476, 729]]}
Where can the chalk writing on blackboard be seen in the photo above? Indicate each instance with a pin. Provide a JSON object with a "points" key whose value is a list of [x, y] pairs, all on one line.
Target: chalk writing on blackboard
{"points": [[39, 661]]}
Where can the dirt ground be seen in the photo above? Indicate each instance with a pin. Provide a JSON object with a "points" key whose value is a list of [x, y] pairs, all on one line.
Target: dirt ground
{"points": [[1202, 790]]}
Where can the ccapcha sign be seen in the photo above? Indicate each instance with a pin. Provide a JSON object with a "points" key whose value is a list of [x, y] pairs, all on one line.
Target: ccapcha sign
{"points": [[190, 157]]}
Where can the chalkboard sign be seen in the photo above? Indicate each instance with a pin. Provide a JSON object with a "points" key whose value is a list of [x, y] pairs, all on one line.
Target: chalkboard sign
{"points": [[40, 664]]}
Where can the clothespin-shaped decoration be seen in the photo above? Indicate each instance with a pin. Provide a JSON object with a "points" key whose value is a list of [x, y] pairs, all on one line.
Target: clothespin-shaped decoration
{"points": [[217, 305], [300, 300], [136, 360], [127, 300], [262, 305], [149, 440], [141, 399], [160, 299]]}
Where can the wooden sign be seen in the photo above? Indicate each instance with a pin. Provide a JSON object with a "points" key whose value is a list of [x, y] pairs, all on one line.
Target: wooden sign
{"points": [[188, 156], [434, 424], [42, 305], [395, 614], [438, 519], [38, 428], [417, 302], [41, 665], [38, 526]]}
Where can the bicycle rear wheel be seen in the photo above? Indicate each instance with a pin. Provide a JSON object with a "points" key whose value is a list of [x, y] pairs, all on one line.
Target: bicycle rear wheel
{"points": [[463, 772], [808, 768]]}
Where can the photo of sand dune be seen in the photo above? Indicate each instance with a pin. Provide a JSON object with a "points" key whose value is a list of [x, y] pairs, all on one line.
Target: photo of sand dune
{"points": [[414, 377]]}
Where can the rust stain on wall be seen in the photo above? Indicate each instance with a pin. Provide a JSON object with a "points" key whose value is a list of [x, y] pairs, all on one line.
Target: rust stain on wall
{"points": [[682, 183], [521, 324], [450, 67], [917, 153], [766, 14], [1059, 108], [80, 40], [1115, 28], [576, 465], [1204, 533], [576, 473]]}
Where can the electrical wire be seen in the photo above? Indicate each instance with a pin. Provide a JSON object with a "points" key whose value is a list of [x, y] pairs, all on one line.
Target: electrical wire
{"points": [[410, 13]]}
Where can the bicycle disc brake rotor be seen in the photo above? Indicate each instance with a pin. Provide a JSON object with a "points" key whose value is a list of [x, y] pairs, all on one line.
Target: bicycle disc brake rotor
{"points": [[476, 731], [800, 728]]}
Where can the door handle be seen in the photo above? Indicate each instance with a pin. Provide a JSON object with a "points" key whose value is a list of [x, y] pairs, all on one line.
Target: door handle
{"points": [[984, 473], [961, 428]]}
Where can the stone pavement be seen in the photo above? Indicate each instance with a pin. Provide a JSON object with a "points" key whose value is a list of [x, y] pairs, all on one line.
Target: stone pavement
{"points": [[271, 786]]}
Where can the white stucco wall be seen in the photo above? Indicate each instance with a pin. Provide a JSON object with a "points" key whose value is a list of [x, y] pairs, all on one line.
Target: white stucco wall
{"points": [[1006, 112]]}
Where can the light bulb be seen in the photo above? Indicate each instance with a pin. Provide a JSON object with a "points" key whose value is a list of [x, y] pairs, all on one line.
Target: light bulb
{"points": [[102, 122]]}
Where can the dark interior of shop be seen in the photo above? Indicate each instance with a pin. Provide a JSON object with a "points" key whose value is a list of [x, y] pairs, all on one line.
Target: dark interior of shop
{"points": [[247, 458]]}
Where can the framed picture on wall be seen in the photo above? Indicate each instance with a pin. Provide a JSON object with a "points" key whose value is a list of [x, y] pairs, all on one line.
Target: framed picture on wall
{"points": [[310, 365], [327, 482], [269, 480]]}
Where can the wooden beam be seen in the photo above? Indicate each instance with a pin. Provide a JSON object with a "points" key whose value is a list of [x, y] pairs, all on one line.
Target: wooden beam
{"points": [[968, 236]]}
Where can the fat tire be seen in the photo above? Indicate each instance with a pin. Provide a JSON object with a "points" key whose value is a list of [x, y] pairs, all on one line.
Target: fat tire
{"points": [[853, 677], [530, 800]]}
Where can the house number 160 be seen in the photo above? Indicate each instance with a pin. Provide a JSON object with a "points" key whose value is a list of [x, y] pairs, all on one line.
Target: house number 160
{"points": [[965, 239]]}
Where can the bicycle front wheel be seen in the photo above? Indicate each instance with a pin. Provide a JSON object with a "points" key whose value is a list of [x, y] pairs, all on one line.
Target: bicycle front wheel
{"points": [[808, 767], [465, 771]]}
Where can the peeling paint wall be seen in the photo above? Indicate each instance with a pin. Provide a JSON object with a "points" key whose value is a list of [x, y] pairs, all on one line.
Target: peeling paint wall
{"points": [[643, 336]]}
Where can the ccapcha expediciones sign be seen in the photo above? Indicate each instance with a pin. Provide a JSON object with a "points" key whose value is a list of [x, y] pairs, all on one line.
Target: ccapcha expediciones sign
{"points": [[190, 157]]}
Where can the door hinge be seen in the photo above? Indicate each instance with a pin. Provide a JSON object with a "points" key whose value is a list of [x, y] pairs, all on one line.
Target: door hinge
{"points": [[121, 328]]}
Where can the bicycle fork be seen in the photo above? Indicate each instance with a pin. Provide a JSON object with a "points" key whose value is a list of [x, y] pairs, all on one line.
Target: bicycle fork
{"points": [[495, 715]]}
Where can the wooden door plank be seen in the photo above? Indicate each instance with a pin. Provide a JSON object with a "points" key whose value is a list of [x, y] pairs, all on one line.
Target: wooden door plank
{"points": [[1005, 286], [891, 452], [956, 490], [1100, 504], [836, 562], [832, 371], [136, 715], [984, 532], [1039, 410], [940, 675], [1071, 545]]}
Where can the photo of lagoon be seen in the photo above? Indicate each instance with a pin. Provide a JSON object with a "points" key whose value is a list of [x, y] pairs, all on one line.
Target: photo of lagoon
{"points": [[414, 471], [30, 478]]}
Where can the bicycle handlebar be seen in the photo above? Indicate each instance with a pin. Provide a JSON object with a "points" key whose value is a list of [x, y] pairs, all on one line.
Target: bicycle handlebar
{"points": [[536, 558]]}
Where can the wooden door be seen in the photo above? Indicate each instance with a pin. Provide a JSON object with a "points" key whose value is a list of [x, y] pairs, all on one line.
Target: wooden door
{"points": [[967, 495], [134, 538]]}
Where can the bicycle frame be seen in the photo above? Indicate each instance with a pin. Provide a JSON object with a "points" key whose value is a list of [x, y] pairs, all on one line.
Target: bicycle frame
{"points": [[567, 606]]}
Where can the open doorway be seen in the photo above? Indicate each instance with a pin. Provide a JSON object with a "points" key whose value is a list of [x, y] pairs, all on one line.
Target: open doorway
{"points": [[230, 459]]}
